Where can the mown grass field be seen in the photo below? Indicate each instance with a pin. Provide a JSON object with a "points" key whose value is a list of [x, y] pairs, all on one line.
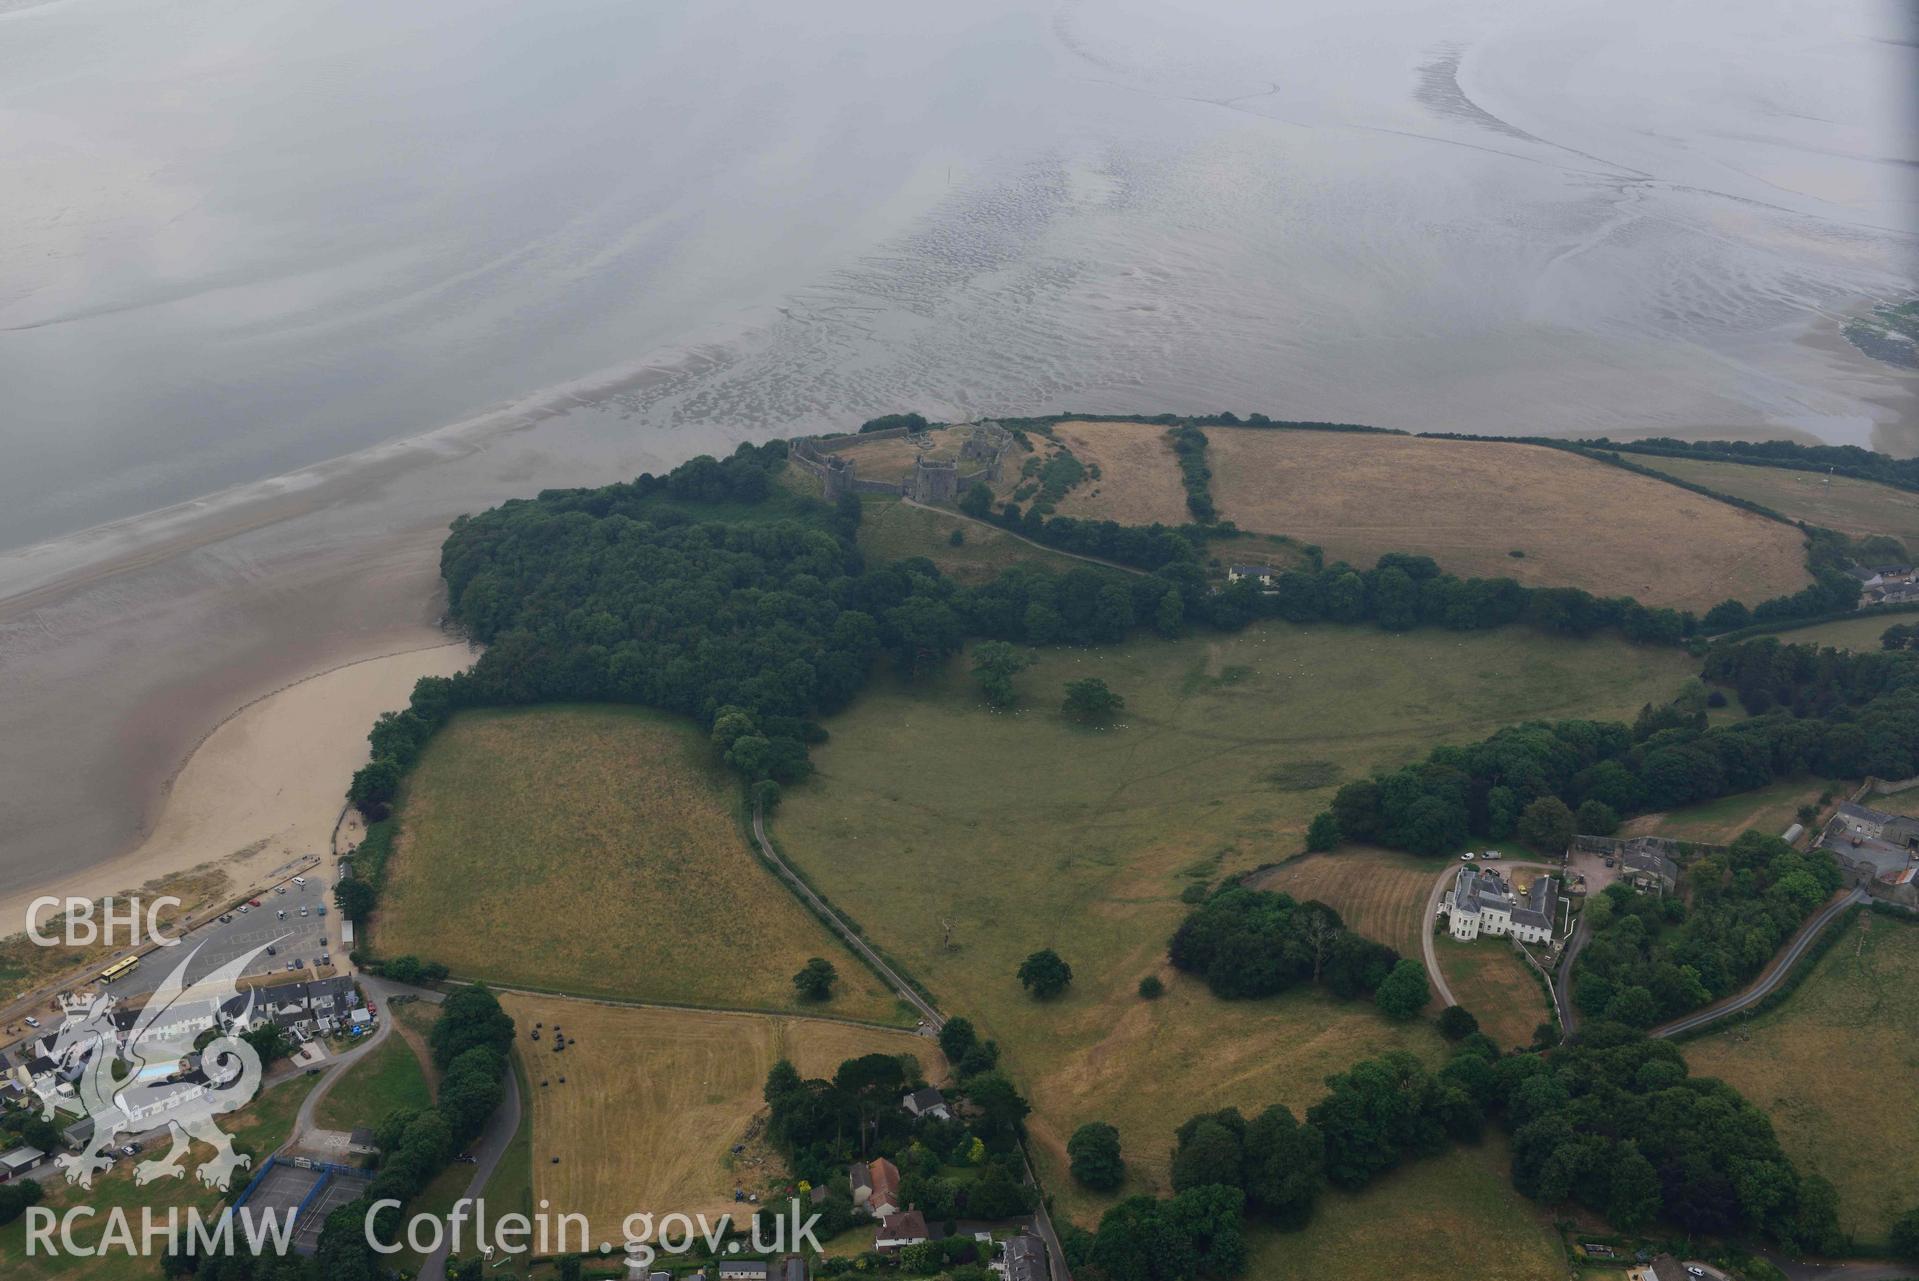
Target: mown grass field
{"points": [[1139, 479], [1491, 980], [1771, 809], [1380, 893], [1470, 504], [1856, 634], [1455, 1215], [892, 530], [388, 1079], [1026, 831], [1832, 1066], [654, 1100], [597, 850], [258, 1130], [1841, 503]]}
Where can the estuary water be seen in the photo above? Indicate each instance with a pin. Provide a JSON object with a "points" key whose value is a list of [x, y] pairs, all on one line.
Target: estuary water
{"points": [[286, 286]]}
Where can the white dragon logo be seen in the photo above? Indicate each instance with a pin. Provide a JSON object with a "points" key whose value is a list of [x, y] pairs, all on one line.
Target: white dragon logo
{"points": [[126, 1081]]}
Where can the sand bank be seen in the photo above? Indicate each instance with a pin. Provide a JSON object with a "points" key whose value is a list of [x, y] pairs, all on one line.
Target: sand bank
{"points": [[266, 785]]}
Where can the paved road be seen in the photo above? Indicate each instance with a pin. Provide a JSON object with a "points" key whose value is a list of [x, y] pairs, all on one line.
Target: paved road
{"points": [[906, 993], [1770, 979], [1563, 979], [499, 1131]]}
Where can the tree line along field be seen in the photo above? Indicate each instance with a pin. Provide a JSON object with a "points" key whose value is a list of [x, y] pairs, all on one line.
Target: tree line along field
{"points": [[1856, 507], [1022, 830], [1470, 504], [654, 1101], [597, 850], [1138, 482], [891, 530], [1832, 1066]]}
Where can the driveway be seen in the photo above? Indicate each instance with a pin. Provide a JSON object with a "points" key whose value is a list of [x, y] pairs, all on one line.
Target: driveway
{"points": [[1441, 884]]}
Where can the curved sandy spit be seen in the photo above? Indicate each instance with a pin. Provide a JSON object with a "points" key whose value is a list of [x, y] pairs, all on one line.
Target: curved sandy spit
{"points": [[266, 785]]}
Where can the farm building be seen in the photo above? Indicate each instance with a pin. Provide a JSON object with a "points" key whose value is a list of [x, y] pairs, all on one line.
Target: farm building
{"points": [[1264, 575], [1484, 902], [1647, 868], [1865, 838]]}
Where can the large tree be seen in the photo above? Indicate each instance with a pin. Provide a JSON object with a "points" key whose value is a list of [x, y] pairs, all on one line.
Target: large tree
{"points": [[1045, 974]]}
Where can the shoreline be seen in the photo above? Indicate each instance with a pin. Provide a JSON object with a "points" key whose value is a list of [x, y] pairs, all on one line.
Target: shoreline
{"points": [[262, 786]]}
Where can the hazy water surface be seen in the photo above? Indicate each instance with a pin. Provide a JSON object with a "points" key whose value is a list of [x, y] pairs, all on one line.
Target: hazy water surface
{"points": [[242, 237]]}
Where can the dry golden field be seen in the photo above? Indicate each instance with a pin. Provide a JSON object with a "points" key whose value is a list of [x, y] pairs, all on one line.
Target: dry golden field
{"points": [[596, 850], [1380, 893], [1469, 504], [1831, 1067], [1847, 505], [654, 1101], [1145, 1066], [1139, 481]]}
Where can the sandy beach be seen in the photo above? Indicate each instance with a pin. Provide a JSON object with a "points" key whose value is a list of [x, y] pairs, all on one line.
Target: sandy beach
{"points": [[265, 786]]}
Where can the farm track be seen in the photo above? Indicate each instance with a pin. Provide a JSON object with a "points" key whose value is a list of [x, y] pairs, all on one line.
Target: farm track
{"points": [[1041, 1219]]}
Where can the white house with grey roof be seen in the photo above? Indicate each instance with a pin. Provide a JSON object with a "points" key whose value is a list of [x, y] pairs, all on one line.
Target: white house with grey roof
{"points": [[1484, 902]]}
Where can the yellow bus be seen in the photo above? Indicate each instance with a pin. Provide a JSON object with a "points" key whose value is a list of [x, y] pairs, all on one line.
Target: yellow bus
{"points": [[119, 969]]}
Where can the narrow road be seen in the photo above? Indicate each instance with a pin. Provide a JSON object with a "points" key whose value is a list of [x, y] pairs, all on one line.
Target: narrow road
{"points": [[499, 1132], [1055, 1254], [1563, 979], [1841, 1269], [1770, 978], [905, 990]]}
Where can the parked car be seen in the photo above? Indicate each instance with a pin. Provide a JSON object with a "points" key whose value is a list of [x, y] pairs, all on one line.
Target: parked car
{"points": [[326, 958], [272, 950], [303, 910], [1467, 857], [131, 1149], [225, 917], [321, 909], [30, 1021], [293, 965], [283, 914], [1492, 854], [1610, 861], [299, 880], [243, 907], [254, 902]]}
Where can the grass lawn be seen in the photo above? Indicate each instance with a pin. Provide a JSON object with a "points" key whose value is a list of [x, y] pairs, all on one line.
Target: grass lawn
{"points": [[383, 1082], [654, 1101], [259, 1130], [1380, 893], [1471, 504], [598, 850], [1024, 831], [1857, 634], [1495, 983], [1455, 1215], [1770, 809], [1850, 506], [891, 530], [1830, 1067]]}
